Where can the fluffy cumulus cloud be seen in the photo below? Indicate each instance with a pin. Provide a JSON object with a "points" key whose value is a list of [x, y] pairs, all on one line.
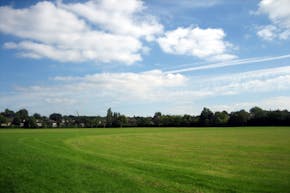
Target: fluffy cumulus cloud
{"points": [[278, 11], [126, 17], [101, 30], [206, 44]]}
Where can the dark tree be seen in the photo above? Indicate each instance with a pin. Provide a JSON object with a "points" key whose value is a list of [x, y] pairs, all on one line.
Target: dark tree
{"points": [[206, 117], [221, 118], [187, 120], [8, 114], [157, 119], [109, 118], [239, 118], [3, 119], [22, 114], [115, 120], [37, 116], [143, 121], [56, 117], [123, 120], [30, 123], [171, 120], [16, 121], [258, 116]]}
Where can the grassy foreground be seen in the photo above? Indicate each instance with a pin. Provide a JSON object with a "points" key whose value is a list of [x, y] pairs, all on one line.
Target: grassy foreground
{"points": [[145, 160]]}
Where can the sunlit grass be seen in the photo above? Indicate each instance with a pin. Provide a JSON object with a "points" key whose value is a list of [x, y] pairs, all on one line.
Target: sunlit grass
{"points": [[145, 160]]}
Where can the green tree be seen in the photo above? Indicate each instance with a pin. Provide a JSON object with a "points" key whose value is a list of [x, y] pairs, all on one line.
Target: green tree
{"points": [[22, 114], [109, 118], [157, 119], [3, 119], [8, 114], [30, 123], [16, 121], [37, 116], [206, 117], [187, 120], [56, 117], [258, 116], [221, 118], [239, 118], [123, 120], [142, 121]]}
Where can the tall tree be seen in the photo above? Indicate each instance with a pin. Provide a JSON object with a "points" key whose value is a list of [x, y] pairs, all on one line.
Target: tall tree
{"points": [[206, 117], [22, 114], [258, 116], [109, 118], [157, 119]]}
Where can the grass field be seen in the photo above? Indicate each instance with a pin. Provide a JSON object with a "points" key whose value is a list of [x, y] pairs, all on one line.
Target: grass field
{"points": [[145, 160]]}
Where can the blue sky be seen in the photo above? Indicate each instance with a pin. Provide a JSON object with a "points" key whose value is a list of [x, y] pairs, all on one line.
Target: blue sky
{"points": [[139, 57]]}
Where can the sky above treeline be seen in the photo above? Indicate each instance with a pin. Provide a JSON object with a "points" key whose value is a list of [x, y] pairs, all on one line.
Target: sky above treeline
{"points": [[140, 57]]}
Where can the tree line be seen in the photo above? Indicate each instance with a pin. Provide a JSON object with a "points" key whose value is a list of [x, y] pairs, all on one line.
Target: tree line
{"points": [[207, 118]]}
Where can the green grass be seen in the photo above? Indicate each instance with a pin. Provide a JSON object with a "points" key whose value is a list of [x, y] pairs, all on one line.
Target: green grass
{"points": [[149, 160]]}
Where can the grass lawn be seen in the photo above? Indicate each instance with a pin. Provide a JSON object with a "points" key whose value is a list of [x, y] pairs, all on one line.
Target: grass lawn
{"points": [[136, 160]]}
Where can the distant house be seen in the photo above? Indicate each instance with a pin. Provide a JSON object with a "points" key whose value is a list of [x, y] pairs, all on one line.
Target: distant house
{"points": [[8, 124], [39, 124], [54, 124]]}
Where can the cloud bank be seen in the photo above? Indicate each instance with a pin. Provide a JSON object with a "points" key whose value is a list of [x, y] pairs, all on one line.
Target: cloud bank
{"points": [[146, 88]]}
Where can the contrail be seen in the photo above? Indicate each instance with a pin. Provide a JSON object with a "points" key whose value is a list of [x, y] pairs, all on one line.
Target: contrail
{"points": [[229, 63]]}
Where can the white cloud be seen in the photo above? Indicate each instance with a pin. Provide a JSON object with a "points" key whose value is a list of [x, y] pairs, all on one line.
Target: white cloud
{"points": [[102, 31], [268, 32], [271, 103], [151, 89], [158, 85], [146, 85], [118, 18], [257, 81], [206, 44], [278, 11], [111, 87]]}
